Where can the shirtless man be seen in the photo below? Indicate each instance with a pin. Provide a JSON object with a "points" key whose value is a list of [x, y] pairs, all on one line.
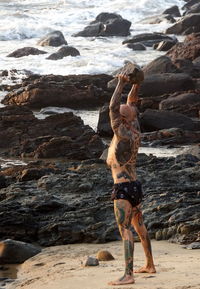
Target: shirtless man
{"points": [[127, 193]]}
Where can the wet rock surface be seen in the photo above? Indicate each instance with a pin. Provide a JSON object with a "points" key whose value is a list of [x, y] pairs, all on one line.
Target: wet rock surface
{"points": [[76, 91], [60, 135], [73, 204], [25, 52], [54, 38], [188, 49], [105, 25]]}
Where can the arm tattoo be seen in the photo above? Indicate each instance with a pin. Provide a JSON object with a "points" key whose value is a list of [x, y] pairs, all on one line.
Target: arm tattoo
{"points": [[115, 106]]}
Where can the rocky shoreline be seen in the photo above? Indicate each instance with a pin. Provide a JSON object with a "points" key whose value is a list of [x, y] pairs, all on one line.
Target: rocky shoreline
{"points": [[54, 202]]}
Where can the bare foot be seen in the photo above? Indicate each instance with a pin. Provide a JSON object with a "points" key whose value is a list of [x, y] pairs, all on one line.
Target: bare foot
{"points": [[146, 270], [123, 281]]}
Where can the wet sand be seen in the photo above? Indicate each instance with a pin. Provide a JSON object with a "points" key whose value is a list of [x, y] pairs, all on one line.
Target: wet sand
{"points": [[61, 267]]}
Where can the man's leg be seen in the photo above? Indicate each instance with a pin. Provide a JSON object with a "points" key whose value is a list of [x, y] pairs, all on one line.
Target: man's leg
{"points": [[140, 228], [123, 213]]}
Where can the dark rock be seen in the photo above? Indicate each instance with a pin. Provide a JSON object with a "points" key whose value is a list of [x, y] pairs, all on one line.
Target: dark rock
{"points": [[173, 11], [13, 252], [187, 25], [58, 135], [148, 39], [56, 211], [171, 136], [104, 16], [34, 173], [186, 66], [3, 183], [92, 30], [63, 52], [189, 49], [189, 4], [159, 84], [136, 46], [165, 45], [91, 261], [185, 103], [55, 38], [74, 91], [105, 25], [158, 19], [162, 64], [116, 27], [155, 120], [104, 127], [25, 52], [193, 9]]}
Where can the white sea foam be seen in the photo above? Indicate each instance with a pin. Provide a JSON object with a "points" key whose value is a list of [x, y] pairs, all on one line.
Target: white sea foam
{"points": [[24, 22]]}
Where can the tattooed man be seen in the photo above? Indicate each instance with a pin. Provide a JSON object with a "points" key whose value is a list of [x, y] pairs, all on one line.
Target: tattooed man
{"points": [[127, 192]]}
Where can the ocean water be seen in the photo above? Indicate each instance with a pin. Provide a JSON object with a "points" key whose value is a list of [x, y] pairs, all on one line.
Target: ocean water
{"points": [[24, 22]]}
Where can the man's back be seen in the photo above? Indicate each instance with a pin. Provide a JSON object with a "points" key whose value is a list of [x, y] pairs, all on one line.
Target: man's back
{"points": [[123, 151]]}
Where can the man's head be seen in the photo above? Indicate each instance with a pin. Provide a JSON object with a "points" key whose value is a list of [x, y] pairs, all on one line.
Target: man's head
{"points": [[128, 112]]}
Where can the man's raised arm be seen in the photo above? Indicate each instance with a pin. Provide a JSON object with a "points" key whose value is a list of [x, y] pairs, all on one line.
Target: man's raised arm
{"points": [[115, 102], [133, 98]]}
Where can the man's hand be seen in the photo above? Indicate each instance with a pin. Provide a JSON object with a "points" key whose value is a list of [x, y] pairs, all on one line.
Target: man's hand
{"points": [[123, 78]]}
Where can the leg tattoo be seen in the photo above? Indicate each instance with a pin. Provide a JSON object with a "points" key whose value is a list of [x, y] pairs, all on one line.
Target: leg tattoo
{"points": [[123, 214]]}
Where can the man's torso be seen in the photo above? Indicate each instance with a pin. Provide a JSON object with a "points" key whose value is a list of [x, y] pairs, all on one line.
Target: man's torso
{"points": [[122, 153]]}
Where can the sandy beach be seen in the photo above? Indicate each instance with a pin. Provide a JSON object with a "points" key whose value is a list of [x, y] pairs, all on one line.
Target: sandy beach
{"points": [[60, 267]]}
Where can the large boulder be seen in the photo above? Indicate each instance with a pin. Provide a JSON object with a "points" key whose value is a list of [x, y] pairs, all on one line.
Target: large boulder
{"points": [[103, 127], [13, 252], [105, 25], [189, 4], [193, 9], [21, 52], [162, 64], [173, 11], [60, 135], [189, 49], [55, 38], [160, 119], [171, 136], [185, 103], [148, 39], [158, 19], [159, 84], [63, 52], [165, 45], [186, 25], [74, 91]]}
